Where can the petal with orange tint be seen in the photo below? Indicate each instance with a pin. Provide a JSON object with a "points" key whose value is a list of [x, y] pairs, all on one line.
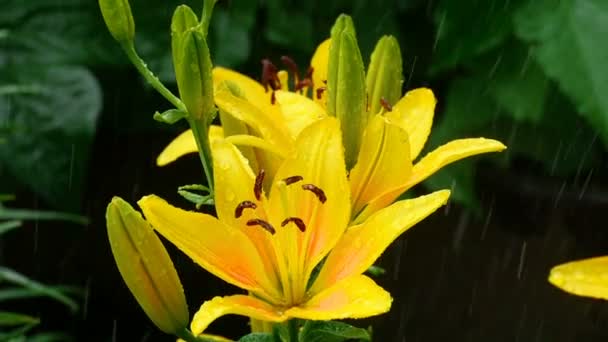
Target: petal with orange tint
{"points": [[184, 144], [210, 243], [251, 89], [354, 297], [298, 110], [414, 113], [383, 162], [431, 163], [587, 277], [319, 62], [233, 305], [319, 160], [361, 245]]}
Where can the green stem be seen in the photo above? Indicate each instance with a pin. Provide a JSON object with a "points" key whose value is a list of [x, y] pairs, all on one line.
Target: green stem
{"points": [[292, 328], [151, 78], [200, 130], [206, 16], [187, 336]]}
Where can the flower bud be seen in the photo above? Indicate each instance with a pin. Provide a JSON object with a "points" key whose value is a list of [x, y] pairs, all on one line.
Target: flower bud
{"points": [[183, 19], [384, 74], [346, 86], [119, 19], [146, 268], [193, 72]]}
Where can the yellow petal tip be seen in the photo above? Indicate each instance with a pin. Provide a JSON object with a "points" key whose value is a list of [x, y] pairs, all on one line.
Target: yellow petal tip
{"points": [[588, 277]]}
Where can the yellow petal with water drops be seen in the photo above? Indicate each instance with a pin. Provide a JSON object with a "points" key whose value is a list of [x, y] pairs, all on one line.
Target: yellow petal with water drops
{"points": [[383, 162], [298, 110], [210, 243], [146, 267], [233, 305], [234, 184], [354, 297], [319, 62], [414, 113], [263, 124], [361, 245], [252, 90], [324, 206], [587, 277], [244, 140], [184, 144], [449, 153]]}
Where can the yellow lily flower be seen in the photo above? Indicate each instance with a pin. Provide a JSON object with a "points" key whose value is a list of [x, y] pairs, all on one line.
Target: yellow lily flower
{"points": [[390, 144], [269, 244], [587, 277]]}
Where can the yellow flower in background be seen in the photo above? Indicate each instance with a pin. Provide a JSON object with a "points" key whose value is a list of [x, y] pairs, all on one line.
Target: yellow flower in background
{"points": [[587, 277], [391, 142], [270, 244]]}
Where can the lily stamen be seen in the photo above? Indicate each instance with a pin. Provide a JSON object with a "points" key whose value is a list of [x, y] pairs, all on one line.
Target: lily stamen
{"points": [[238, 211], [320, 91], [297, 221], [317, 191], [292, 179], [293, 67], [270, 78], [259, 222], [387, 106], [257, 187]]}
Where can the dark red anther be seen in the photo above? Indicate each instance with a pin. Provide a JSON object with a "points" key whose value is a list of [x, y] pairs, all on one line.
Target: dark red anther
{"points": [[238, 212], [263, 224], [292, 66], [307, 82], [387, 106], [292, 179], [315, 190], [259, 181], [297, 221], [320, 92], [270, 77]]}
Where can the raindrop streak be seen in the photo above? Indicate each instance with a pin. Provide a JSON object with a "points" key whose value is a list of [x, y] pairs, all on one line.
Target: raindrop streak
{"points": [[398, 252], [585, 184], [87, 293], [486, 222], [461, 227], [559, 195], [71, 168], [439, 29], [409, 78], [522, 257]]}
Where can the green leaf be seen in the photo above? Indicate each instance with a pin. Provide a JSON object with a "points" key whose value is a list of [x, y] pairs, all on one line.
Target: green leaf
{"points": [[198, 199], [37, 215], [258, 337], [13, 293], [376, 271], [10, 276], [50, 130], [466, 29], [566, 36], [8, 319], [170, 116], [50, 337], [9, 225], [329, 331]]}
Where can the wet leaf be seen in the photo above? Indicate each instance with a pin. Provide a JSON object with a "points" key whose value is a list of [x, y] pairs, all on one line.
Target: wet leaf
{"points": [[566, 35], [329, 331]]}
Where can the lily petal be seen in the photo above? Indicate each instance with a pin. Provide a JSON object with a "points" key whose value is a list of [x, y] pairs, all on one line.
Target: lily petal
{"points": [[210, 243], [185, 144], [319, 62], [252, 90], [414, 113], [361, 245], [319, 160], [298, 110], [234, 183], [354, 297], [431, 163], [383, 162], [233, 305], [587, 277], [178, 147]]}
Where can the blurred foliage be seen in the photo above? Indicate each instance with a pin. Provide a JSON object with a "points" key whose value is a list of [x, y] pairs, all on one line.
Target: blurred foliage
{"points": [[16, 326], [529, 72]]}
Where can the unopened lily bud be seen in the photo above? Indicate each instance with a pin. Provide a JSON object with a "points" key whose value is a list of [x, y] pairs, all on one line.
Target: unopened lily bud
{"points": [[346, 86], [146, 268], [384, 75], [193, 72], [119, 19], [183, 20]]}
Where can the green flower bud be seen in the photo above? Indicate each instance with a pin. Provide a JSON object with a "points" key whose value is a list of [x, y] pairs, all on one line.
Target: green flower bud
{"points": [[146, 267], [119, 19], [183, 20], [193, 72], [384, 74], [346, 86]]}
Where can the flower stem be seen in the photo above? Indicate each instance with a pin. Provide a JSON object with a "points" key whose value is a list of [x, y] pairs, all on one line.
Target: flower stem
{"points": [[200, 130], [151, 78], [187, 336], [292, 328], [206, 16]]}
